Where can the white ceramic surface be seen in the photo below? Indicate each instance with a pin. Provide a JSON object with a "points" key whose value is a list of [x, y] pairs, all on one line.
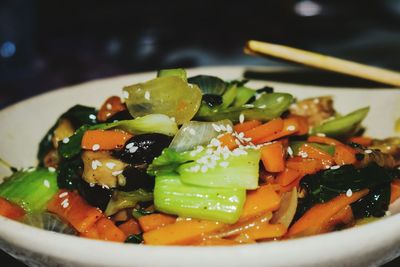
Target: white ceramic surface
{"points": [[23, 124]]}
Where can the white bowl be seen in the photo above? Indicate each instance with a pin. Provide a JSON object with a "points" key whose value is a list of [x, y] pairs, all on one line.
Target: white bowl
{"points": [[23, 125]]}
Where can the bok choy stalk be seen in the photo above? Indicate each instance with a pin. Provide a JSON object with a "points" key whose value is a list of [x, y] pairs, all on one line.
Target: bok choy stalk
{"points": [[181, 73], [210, 167], [209, 203], [195, 133], [31, 189], [342, 126]]}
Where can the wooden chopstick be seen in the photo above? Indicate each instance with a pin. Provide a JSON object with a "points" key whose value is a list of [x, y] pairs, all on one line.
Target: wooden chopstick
{"points": [[323, 62]]}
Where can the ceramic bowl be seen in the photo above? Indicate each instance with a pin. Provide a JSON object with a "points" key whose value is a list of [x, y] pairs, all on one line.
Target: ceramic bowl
{"points": [[23, 125]]}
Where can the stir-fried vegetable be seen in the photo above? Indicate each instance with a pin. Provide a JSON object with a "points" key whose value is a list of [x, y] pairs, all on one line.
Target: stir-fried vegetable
{"points": [[203, 161]]}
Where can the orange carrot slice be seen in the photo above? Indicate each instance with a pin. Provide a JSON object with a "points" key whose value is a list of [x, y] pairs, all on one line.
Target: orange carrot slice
{"points": [[287, 176], [10, 210], [181, 232], [105, 230], [314, 220], [246, 126], [260, 201], [266, 230], [258, 133], [273, 157], [361, 140], [305, 165], [228, 140], [155, 221], [290, 126], [324, 140], [315, 153], [130, 227], [104, 140], [344, 155], [110, 107]]}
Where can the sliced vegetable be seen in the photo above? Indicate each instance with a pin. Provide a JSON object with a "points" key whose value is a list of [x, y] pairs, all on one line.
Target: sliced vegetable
{"points": [[287, 210], [238, 169], [246, 126], [30, 189], [361, 140], [122, 200], [304, 165], [10, 210], [314, 220], [130, 227], [181, 232], [288, 176], [344, 155], [110, 107], [72, 208], [194, 133], [104, 140], [155, 221], [229, 96], [258, 133], [265, 231], [243, 95], [296, 147], [169, 95], [273, 157], [341, 126], [181, 73], [104, 229], [228, 140], [259, 202], [171, 196]]}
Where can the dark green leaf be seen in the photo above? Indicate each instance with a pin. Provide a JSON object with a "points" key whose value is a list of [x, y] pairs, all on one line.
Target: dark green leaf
{"points": [[137, 213], [209, 84], [212, 100], [69, 172], [375, 204], [134, 239]]}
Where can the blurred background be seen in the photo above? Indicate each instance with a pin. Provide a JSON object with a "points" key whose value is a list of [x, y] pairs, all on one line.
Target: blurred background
{"points": [[47, 44]]}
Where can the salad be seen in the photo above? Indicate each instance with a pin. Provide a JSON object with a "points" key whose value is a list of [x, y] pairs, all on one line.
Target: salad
{"points": [[201, 161]]}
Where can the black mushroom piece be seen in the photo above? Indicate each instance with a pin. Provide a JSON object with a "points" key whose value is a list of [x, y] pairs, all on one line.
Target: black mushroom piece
{"points": [[143, 148], [95, 195], [120, 116], [134, 178]]}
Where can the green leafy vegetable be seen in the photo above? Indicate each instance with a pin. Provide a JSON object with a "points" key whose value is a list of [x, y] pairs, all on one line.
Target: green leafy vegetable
{"points": [[212, 101], [218, 204], [31, 189], [122, 200], [327, 184], [181, 73], [69, 172], [229, 96], [169, 95], [135, 239], [209, 85], [137, 213], [342, 126], [243, 95]]}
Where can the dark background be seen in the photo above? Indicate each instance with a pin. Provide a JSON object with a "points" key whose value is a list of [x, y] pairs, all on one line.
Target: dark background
{"points": [[47, 44]]}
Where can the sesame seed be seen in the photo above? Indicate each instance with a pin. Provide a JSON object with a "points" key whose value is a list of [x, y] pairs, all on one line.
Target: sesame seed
{"points": [[110, 165], [129, 146], [316, 100], [65, 203], [51, 169], [241, 118], [349, 193], [125, 94], [92, 116], [258, 96], [173, 119], [147, 95], [63, 194], [321, 134], [280, 99], [195, 168], [204, 168], [216, 127], [368, 151], [241, 135], [291, 128], [224, 164], [192, 131], [104, 186], [290, 151], [262, 106], [133, 149], [215, 142], [248, 106], [109, 106], [388, 213], [335, 167], [46, 183], [303, 154], [96, 163], [95, 147], [65, 140], [229, 128], [223, 128], [31, 169], [91, 184], [116, 173]]}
